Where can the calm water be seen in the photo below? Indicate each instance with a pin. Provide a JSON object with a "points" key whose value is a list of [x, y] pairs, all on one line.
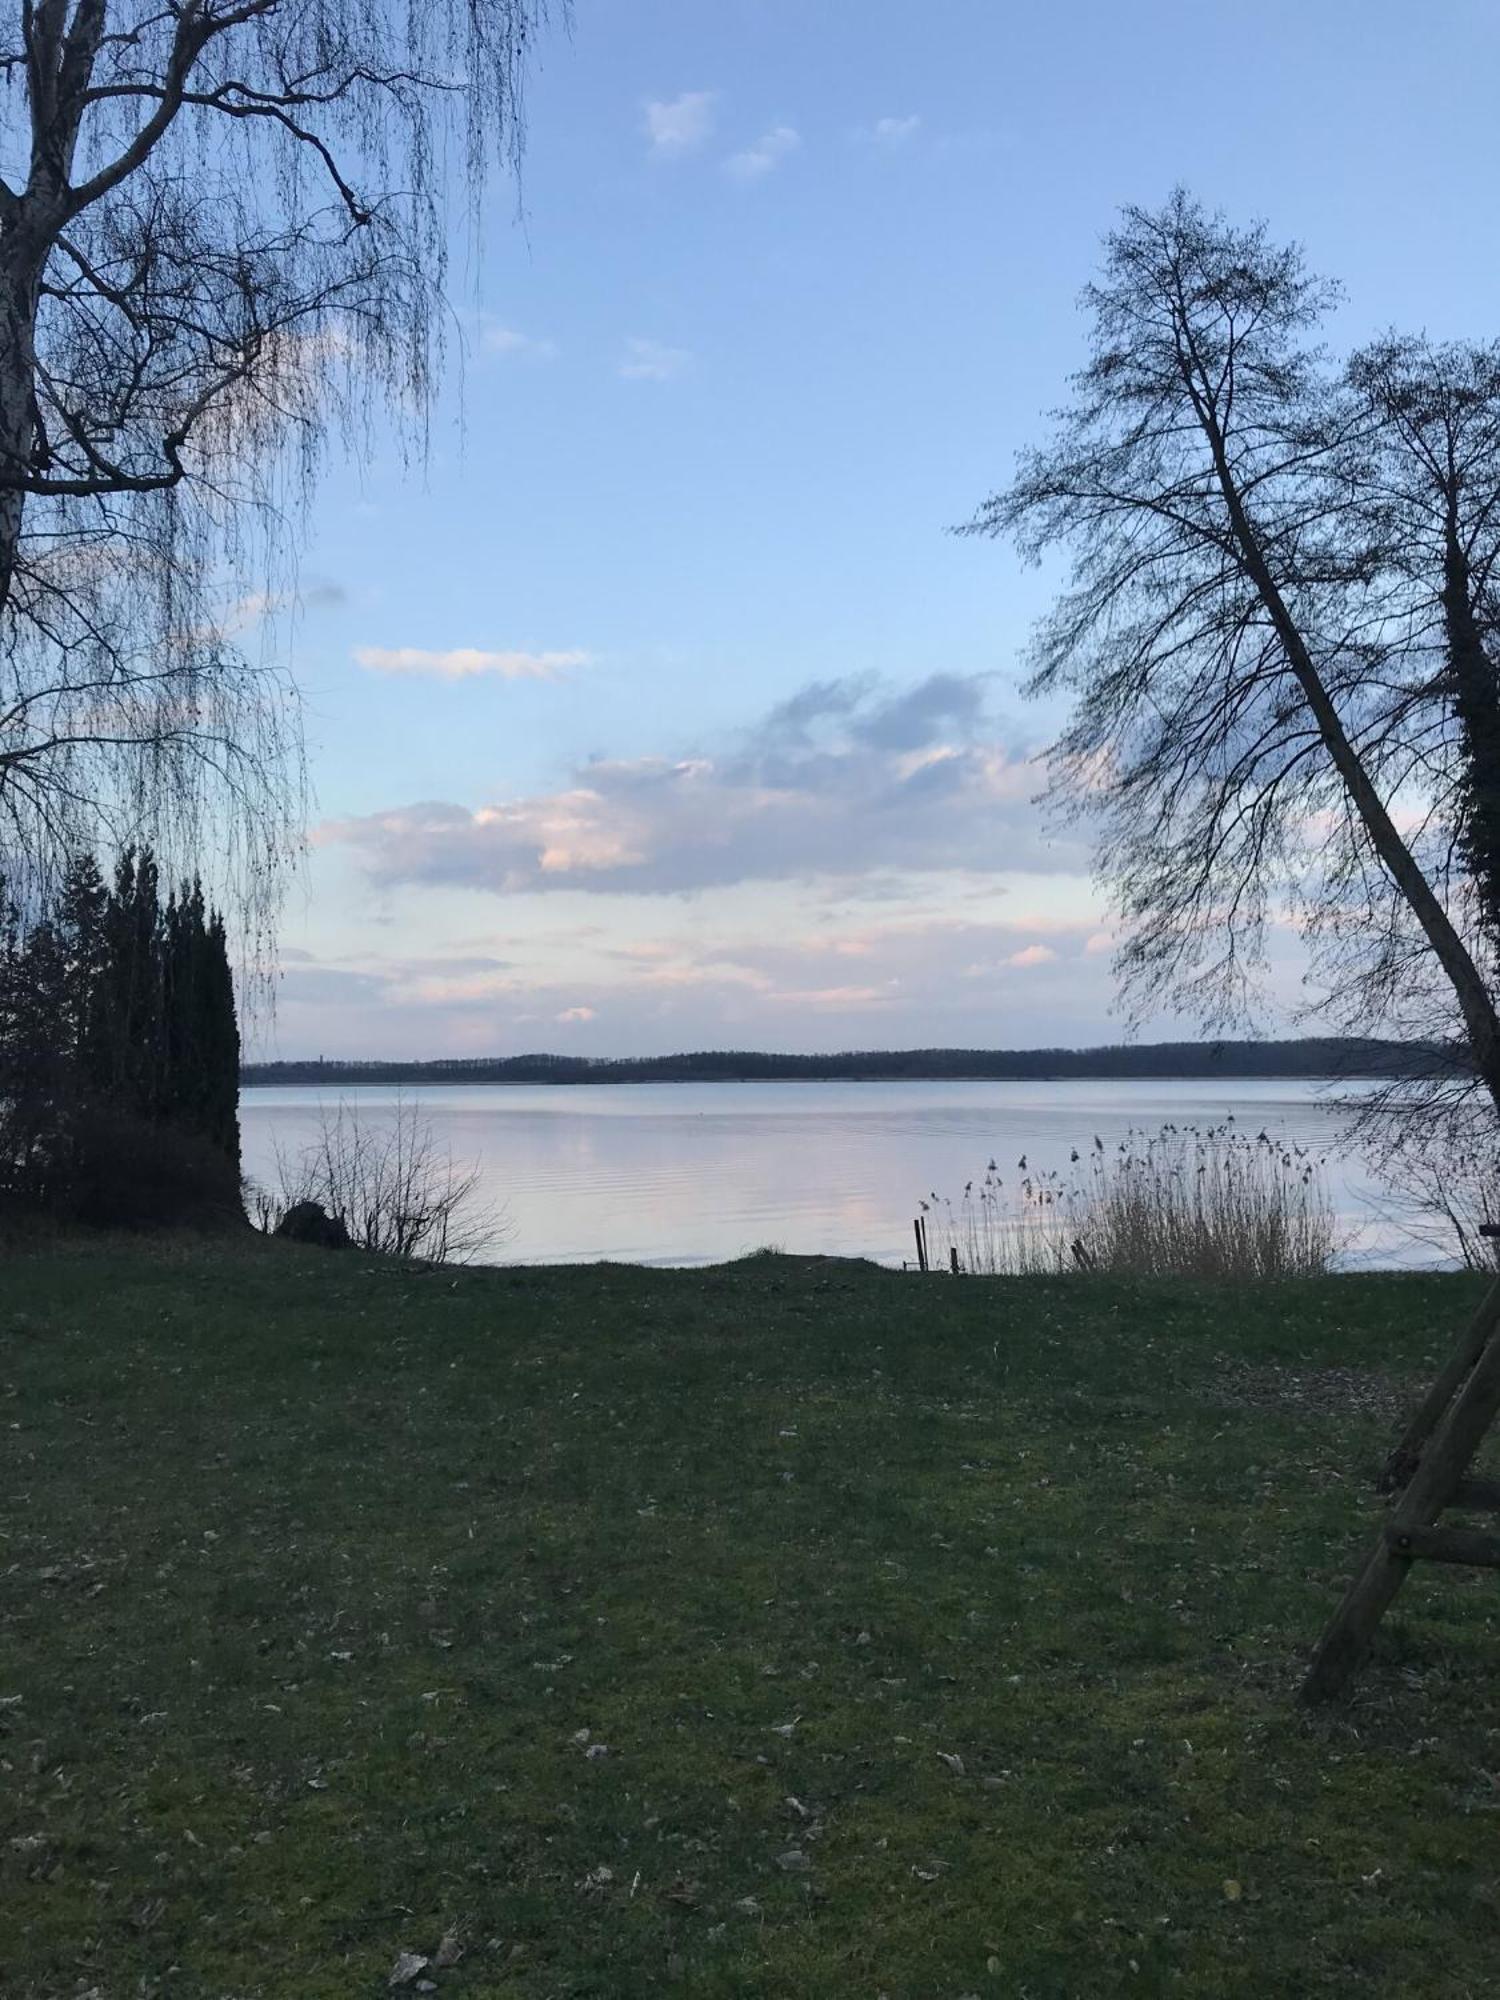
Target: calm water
{"points": [[684, 1173]]}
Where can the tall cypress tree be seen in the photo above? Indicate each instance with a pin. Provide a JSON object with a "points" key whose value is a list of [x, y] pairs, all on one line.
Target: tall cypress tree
{"points": [[117, 1015], [199, 1029], [132, 1058], [37, 1078], [82, 908], [220, 1040]]}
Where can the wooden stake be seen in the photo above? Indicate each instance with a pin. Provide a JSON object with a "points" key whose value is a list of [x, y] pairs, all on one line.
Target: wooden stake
{"points": [[1434, 1485], [1404, 1460]]}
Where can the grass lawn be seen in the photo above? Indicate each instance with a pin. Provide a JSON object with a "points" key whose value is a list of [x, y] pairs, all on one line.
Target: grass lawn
{"points": [[790, 1628]]}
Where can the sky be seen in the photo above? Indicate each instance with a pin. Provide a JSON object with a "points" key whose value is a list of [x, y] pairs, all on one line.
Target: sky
{"points": [[658, 708]]}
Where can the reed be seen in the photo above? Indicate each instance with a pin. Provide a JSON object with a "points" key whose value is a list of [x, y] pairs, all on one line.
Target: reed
{"points": [[1185, 1201]]}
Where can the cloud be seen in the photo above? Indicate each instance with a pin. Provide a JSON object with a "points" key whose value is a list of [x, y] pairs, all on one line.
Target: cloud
{"points": [[314, 594], [943, 704], [678, 125], [756, 161], [895, 131], [652, 361], [462, 663], [441, 981], [330, 986], [507, 341], [846, 780], [747, 968], [838, 996]]}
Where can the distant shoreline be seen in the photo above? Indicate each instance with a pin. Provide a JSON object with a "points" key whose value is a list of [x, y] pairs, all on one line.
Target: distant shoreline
{"points": [[1324, 1059]]}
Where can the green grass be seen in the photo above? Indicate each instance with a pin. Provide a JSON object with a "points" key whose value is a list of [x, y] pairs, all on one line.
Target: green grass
{"points": [[314, 1570]]}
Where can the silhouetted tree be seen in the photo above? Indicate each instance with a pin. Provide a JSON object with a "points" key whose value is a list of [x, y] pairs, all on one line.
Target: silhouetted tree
{"points": [[1278, 635], [119, 1047], [200, 1052], [1419, 470], [222, 237]]}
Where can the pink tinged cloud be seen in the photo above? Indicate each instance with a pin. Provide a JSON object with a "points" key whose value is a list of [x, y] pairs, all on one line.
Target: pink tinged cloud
{"points": [[780, 984], [1032, 954], [843, 780]]}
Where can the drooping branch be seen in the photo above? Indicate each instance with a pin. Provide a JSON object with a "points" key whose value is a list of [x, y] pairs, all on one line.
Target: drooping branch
{"points": [[225, 242]]}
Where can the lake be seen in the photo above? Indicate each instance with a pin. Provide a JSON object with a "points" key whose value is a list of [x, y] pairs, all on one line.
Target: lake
{"points": [[690, 1173]]}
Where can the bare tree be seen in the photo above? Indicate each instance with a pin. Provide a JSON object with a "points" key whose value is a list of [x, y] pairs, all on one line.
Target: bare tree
{"points": [[1418, 471], [1277, 633], [1444, 1169], [222, 241], [387, 1179]]}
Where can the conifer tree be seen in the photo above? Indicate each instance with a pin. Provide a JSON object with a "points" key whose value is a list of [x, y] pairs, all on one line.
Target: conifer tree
{"points": [[117, 1023]]}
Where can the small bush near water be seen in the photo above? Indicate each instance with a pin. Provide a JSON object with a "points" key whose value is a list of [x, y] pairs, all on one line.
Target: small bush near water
{"points": [[1186, 1201], [391, 1185]]}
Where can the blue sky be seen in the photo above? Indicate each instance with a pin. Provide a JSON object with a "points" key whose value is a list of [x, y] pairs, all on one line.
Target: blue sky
{"points": [[658, 709]]}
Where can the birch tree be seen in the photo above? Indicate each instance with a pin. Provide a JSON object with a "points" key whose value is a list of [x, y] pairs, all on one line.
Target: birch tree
{"points": [[222, 245]]}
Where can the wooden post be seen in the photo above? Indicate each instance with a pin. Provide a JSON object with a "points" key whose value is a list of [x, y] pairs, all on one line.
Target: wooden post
{"points": [[1404, 1460], [1447, 1545], [921, 1236], [1434, 1484], [953, 1264]]}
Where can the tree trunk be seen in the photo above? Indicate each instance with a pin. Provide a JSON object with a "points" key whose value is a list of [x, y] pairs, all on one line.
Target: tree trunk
{"points": [[1481, 1022], [1478, 711], [19, 286]]}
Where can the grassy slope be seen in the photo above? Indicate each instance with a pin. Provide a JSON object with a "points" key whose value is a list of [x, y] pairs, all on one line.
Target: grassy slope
{"points": [[313, 1569]]}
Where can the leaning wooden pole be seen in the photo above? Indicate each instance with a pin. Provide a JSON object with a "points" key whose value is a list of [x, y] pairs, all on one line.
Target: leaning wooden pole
{"points": [[1410, 1529], [1407, 1455]]}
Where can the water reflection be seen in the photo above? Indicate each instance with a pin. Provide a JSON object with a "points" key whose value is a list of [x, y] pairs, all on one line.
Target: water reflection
{"points": [[693, 1173]]}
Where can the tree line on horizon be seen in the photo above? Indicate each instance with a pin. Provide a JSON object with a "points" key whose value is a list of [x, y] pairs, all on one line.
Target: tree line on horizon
{"points": [[1327, 1057]]}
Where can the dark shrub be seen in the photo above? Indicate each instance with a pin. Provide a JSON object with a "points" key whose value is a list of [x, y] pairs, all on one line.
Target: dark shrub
{"points": [[130, 1174], [119, 1053], [310, 1222]]}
